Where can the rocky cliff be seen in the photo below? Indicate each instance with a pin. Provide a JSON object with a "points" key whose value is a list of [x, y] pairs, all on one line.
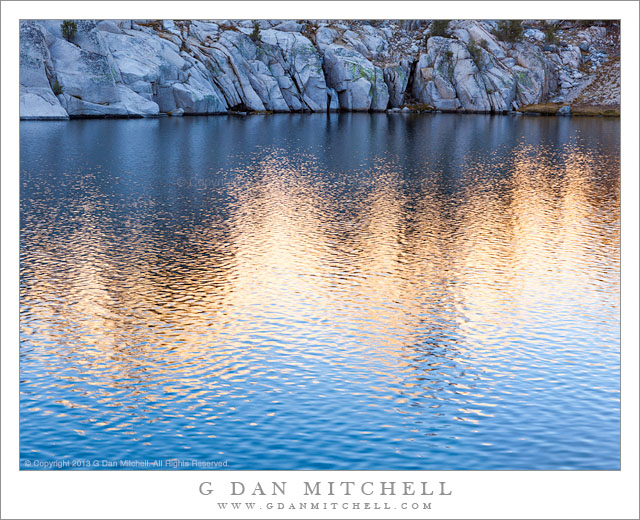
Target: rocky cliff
{"points": [[141, 68]]}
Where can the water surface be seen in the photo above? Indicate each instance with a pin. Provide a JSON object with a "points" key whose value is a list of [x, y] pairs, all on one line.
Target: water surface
{"points": [[348, 291]]}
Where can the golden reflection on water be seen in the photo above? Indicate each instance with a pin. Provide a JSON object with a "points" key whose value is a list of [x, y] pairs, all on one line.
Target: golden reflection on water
{"points": [[497, 247], [300, 272]]}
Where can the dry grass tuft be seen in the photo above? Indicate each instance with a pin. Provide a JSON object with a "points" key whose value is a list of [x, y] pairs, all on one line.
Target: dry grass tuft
{"points": [[578, 109]]}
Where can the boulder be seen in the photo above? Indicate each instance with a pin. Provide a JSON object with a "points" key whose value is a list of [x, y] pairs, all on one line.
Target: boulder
{"points": [[433, 75], [435, 71], [461, 34], [325, 37], [135, 104], [189, 98], [528, 90], [374, 40], [597, 32], [535, 75], [36, 104], [84, 75], [571, 56], [534, 35], [80, 108], [469, 85], [500, 86], [360, 85], [37, 100], [353, 39], [109, 26], [289, 26]]}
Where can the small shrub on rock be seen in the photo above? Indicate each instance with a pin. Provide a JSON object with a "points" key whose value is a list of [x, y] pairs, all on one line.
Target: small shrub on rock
{"points": [[475, 53], [57, 88], [509, 30], [550, 34], [439, 28], [69, 29], [255, 35]]}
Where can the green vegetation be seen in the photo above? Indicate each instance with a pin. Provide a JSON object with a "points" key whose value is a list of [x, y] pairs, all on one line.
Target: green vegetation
{"points": [[439, 28], [57, 88], [69, 29], [509, 30], [255, 35], [476, 54], [550, 33], [524, 78], [607, 24]]}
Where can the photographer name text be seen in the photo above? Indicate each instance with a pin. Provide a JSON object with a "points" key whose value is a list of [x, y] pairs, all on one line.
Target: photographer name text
{"points": [[329, 488]]}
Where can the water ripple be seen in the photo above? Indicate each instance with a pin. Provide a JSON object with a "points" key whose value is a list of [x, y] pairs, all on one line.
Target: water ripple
{"points": [[442, 294]]}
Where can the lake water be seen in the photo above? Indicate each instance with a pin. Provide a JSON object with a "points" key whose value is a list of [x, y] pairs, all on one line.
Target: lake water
{"points": [[344, 291]]}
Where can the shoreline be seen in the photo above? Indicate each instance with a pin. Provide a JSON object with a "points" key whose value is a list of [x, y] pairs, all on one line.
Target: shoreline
{"points": [[541, 109], [147, 68]]}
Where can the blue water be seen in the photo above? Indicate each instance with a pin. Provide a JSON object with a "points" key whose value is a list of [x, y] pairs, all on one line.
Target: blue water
{"points": [[345, 291]]}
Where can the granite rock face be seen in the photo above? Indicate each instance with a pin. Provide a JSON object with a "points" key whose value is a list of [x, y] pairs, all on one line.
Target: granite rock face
{"points": [[396, 77], [297, 65], [359, 83], [37, 100], [143, 68], [477, 73]]}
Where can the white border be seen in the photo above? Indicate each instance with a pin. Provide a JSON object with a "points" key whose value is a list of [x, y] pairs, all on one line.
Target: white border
{"points": [[477, 494]]}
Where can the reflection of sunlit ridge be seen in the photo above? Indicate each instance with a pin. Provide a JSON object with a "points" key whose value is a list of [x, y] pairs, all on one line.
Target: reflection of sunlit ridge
{"points": [[154, 349], [281, 222], [276, 234], [297, 297], [504, 275], [83, 291], [380, 248]]}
